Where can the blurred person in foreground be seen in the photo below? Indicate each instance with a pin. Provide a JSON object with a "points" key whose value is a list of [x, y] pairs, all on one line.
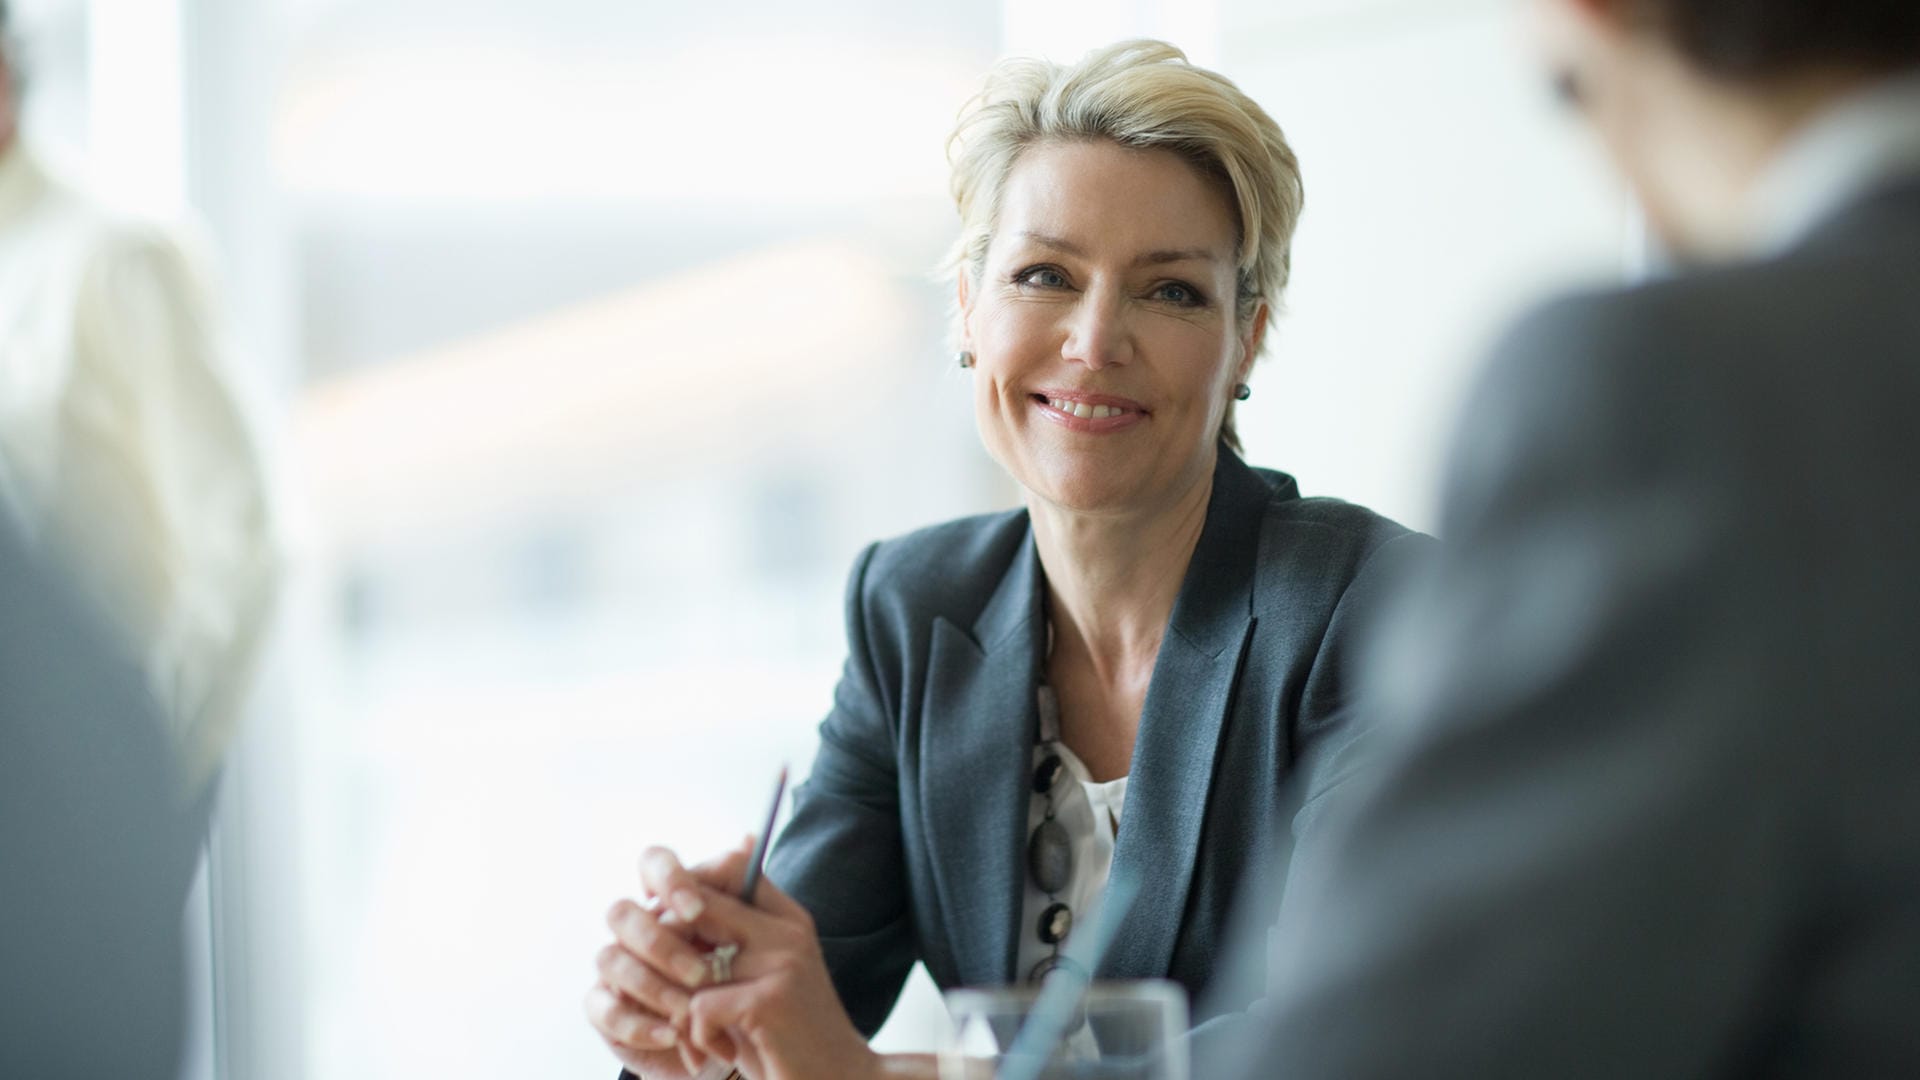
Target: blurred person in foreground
{"points": [[1118, 677], [96, 851], [122, 448], [1643, 796]]}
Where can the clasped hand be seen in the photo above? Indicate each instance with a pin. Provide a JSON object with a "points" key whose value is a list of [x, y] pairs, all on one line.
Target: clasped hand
{"points": [[657, 1007]]}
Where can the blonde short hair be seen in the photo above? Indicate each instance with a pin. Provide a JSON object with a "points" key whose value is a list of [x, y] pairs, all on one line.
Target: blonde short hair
{"points": [[1142, 94]]}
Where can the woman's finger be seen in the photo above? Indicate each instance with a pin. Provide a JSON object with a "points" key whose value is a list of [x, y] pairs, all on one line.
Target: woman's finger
{"points": [[718, 1013], [633, 1061], [745, 1057], [661, 948], [771, 899], [725, 1045], [665, 880], [680, 888], [691, 1057], [622, 1023], [620, 970], [727, 871], [726, 919]]}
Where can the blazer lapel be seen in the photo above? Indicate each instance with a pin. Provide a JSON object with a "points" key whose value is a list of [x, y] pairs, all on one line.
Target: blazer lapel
{"points": [[1186, 711], [977, 756]]}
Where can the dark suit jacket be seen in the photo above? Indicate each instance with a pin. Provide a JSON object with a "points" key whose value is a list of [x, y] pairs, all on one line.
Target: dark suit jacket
{"points": [[907, 842], [1649, 738]]}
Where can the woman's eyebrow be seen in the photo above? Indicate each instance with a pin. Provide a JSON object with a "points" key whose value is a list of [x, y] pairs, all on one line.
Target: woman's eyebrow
{"points": [[1054, 242], [1155, 258], [1149, 258]]}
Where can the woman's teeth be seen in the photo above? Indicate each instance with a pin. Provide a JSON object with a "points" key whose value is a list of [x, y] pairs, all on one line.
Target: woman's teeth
{"points": [[1083, 410]]}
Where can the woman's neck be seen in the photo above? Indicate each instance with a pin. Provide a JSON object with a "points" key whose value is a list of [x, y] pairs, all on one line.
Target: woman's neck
{"points": [[1112, 579]]}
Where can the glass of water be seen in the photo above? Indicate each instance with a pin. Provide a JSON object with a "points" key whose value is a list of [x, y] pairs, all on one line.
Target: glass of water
{"points": [[1121, 1031]]}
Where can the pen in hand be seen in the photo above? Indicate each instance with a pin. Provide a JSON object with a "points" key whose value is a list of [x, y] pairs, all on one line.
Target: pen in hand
{"points": [[759, 857]]}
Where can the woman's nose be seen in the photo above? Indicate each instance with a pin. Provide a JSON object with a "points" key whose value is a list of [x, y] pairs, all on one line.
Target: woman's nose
{"points": [[1096, 332]]}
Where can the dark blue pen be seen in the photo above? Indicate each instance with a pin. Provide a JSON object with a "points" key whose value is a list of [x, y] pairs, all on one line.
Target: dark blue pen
{"points": [[759, 856]]}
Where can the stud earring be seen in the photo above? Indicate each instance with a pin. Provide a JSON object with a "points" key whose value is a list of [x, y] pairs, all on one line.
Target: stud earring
{"points": [[1242, 392], [966, 359]]}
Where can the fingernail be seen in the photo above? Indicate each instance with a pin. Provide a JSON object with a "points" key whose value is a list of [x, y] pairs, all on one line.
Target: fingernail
{"points": [[692, 971], [687, 904], [676, 1002], [658, 862], [665, 1036]]}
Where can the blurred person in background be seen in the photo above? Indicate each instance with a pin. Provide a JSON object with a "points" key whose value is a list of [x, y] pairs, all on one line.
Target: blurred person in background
{"points": [[122, 446], [1119, 677], [1642, 798], [96, 849]]}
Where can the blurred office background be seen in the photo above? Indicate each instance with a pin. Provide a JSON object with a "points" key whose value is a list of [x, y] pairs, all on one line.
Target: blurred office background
{"points": [[592, 338]]}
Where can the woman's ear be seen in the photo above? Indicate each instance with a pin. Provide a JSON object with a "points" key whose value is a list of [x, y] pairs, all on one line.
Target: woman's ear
{"points": [[1250, 343], [963, 299]]}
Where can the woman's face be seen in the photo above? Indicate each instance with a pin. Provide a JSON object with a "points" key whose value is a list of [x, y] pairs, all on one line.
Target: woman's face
{"points": [[1103, 327]]}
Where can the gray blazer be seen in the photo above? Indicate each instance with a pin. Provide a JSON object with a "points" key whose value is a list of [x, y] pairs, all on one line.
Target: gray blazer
{"points": [[1649, 737], [907, 841]]}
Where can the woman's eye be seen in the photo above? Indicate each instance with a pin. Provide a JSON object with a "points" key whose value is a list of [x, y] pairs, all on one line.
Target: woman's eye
{"points": [[1044, 276], [1175, 293]]}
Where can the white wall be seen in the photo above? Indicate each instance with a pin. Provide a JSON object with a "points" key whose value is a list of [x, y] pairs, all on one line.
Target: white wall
{"points": [[1444, 193]]}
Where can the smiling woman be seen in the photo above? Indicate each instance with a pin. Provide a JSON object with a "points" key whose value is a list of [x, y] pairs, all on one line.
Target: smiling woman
{"points": [[1127, 675]]}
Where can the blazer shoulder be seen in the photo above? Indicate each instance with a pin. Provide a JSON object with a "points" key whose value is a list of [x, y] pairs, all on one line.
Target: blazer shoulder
{"points": [[1348, 524], [1729, 354], [949, 569], [1340, 523], [1571, 334], [1322, 545], [1595, 373], [1701, 327]]}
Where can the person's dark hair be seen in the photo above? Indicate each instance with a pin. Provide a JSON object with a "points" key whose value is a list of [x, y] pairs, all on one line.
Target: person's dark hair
{"points": [[1765, 39]]}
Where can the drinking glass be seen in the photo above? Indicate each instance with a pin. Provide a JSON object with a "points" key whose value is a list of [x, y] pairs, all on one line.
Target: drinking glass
{"points": [[1121, 1031]]}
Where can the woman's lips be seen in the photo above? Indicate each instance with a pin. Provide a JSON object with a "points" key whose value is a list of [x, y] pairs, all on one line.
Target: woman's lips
{"points": [[1092, 413]]}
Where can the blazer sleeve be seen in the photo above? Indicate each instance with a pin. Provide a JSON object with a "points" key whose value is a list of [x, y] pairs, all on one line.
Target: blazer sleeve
{"points": [[841, 854], [1551, 868]]}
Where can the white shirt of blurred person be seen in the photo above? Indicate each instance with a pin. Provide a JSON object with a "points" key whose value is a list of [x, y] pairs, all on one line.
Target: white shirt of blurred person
{"points": [[122, 446]]}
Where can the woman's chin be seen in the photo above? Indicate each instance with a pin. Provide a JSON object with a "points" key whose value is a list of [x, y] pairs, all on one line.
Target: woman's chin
{"points": [[1089, 491], [1113, 480]]}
